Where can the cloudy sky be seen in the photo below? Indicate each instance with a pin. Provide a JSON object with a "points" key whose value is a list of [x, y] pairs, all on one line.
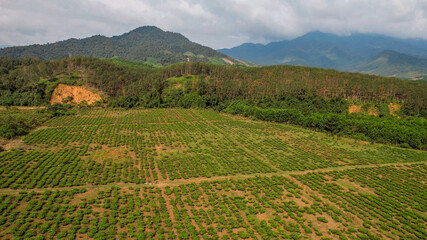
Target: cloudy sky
{"points": [[215, 23]]}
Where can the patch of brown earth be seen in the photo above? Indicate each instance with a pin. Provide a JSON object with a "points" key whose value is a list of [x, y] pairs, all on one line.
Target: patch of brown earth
{"points": [[113, 154], [75, 94], [373, 111], [242, 62], [393, 108], [179, 85], [14, 144], [345, 183], [228, 61], [359, 142], [89, 194], [354, 109], [264, 216]]}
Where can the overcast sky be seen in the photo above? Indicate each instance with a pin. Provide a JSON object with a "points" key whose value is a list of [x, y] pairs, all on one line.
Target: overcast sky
{"points": [[215, 23]]}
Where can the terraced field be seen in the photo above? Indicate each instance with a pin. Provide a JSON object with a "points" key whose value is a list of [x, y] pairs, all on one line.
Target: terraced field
{"points": [[192, 174]]}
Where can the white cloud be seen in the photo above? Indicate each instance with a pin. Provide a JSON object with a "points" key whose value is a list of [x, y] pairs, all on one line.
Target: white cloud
{"points": [[216, 23]]}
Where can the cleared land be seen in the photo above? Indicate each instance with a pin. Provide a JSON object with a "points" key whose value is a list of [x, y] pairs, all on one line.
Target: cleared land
{"points": [[191, 174]]}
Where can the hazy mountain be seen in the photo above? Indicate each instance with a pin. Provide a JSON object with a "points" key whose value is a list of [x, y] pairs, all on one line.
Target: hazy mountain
{"points": [[394, 64], [145, 44], [327, 50]]}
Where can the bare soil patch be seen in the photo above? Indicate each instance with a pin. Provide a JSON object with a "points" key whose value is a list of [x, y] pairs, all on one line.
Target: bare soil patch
{"points": [[228, 61], [354, 186], [354, 109], [115, 154], [76, 94], [354, 141], [373, 111], [242, 62], [14, 144], [394, 108]]}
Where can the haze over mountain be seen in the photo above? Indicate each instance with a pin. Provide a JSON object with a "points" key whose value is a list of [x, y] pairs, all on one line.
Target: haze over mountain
{"points": [[346, 53], [391, 63], [144, 44]]}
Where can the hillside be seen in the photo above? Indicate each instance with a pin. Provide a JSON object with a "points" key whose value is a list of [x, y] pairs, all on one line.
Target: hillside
{"points": [[390, 63], [118, 78], [328, 50], [311, 97], [31, 82], [145, 44]]}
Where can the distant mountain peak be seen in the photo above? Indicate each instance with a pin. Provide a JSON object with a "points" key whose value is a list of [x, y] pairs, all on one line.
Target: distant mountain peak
{"points": [[146, 29], [327, 50], [144, 44]]}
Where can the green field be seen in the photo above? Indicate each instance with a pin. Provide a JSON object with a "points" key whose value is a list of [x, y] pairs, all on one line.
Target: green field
{"points": [[197, 174]]}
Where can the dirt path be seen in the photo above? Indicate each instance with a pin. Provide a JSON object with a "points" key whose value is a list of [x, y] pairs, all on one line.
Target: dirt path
{"points": [[165, 183]]}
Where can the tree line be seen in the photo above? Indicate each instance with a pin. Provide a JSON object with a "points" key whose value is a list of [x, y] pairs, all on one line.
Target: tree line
{"points": [[29, 82], [310, 97]]}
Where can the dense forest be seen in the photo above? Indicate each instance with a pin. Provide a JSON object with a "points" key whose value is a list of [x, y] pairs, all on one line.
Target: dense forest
{"points": [[29, 81], [312, 97]]}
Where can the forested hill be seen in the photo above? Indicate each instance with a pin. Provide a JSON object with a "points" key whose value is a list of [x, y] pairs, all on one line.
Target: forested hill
{"points": [[315, 98], [30, 82], [145, 44]]}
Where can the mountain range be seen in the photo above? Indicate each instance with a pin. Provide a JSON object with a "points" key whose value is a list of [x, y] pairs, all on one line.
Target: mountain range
{"points": [[147, 44], [356, 52], [367, 53]]}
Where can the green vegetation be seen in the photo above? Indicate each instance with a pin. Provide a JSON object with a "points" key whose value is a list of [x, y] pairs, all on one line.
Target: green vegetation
{"points": [[390, 63], [147, 44], [407, 133], [316, 98], [161, 156], [15, 122], [169, 144], [21, 82], [132, 64], [387, 199], [193, 174]]}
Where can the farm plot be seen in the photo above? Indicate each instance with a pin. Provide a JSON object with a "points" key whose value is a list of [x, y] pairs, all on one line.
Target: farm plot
{"points": [[294, 149], [260, 207], [190, 174], [110, 116], [102, 146], [389, 201]]}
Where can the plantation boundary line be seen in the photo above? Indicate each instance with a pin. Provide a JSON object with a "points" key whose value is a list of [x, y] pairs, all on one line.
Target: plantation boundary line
{"points": [[162, 184]]}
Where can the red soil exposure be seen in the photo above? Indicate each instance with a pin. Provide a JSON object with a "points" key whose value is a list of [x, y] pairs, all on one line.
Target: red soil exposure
{"points": [[77, 94]]}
